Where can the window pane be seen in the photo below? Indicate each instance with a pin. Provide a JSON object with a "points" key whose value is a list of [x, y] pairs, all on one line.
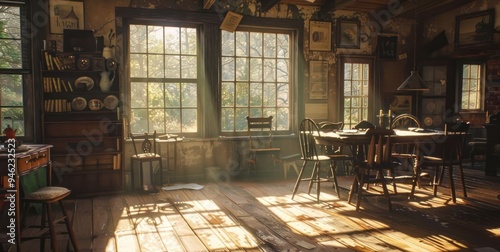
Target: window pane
{"points": [[242, 44], [138, 65], [256, 69], [188, 38], [155, 95], [189, 95], [282, 69], [242, 69], [270, 45], [172, 95], [11, 90], [255, 44], [156, 68], [138, 91], [138, 39], [189, 67], [172, 39], [155, 39], [227, 43], [227, 69], [172, 66], [227, 94], [242, 94]]}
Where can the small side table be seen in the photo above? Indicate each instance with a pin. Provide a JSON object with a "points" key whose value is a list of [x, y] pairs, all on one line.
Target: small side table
{"points": [[171, 152]]}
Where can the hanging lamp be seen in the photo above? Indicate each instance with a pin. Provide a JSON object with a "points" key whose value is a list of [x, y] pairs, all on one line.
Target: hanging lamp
{"points": [[414, 82]]}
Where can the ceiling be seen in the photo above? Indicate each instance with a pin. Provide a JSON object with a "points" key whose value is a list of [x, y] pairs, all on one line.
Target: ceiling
{"points": [[425, 8]]}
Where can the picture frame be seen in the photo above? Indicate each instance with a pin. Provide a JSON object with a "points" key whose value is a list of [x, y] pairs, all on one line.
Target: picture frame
{"points": [[348, 33], [401, 104], [318, 79], [475, 29], [320, 36], [387, 47], [66, 15]]}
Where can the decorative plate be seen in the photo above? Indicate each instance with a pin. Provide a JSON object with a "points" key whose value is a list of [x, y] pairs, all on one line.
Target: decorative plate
{"points": [[95, 104], [79, 103], [83, 63], [428, 121], [87, 81], [111, 64], [110, 102]]}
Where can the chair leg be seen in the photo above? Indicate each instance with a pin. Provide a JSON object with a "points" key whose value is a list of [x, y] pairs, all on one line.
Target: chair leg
{"points": [[360, 189], [69, 226], [132, 174], [299, 178], [384, 188], [415, 181], [452, 183], [437, 178], [462, 179], [313, 176], [334, 177]]}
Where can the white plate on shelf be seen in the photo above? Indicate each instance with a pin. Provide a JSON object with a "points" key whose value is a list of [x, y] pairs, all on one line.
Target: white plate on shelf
{"points": [[89, 82], [79, 103], [95, 104], [110, 102]]}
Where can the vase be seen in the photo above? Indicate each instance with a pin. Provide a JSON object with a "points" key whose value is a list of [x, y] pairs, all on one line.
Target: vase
{"points": [[106, 82]]}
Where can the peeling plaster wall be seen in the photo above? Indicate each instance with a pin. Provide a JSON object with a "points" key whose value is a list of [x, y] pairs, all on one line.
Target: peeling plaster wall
{"points": [[195, 155]]}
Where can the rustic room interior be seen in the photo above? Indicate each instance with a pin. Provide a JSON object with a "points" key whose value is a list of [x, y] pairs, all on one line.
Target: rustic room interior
{"points": [[87, 86]]}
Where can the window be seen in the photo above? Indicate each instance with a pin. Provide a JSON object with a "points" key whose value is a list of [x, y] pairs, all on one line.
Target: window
{"points": [[471, 87], [163, 78], [14, 58], [355, 86], [255, 70]]}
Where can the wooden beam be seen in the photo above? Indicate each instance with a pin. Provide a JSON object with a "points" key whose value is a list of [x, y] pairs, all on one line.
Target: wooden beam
{"points": [[268, 4], [327, 7]]}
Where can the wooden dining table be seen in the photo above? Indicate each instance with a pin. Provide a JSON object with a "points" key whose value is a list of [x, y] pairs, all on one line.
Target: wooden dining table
{"points": [[425, 140]]}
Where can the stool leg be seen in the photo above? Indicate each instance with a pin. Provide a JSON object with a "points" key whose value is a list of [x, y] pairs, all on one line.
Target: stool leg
{"points": [[69, 226], [132, 174], [53, 238], [161, 173]]}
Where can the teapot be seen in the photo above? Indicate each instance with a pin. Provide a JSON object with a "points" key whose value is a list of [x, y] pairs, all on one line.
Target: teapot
{"points": [[105, 83], [9, 133]]}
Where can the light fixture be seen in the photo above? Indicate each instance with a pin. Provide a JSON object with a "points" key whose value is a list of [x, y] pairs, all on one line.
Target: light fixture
{"points": [[414, 82]]}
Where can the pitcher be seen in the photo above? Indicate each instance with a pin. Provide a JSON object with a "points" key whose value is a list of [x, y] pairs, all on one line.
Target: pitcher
{"points": [[105, 83]]}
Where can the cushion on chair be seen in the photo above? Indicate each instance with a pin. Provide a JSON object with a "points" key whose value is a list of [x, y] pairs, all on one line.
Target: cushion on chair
{"points": [[47, 193]]}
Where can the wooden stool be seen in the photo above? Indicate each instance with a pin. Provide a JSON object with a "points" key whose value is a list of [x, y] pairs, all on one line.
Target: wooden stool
{"points": [[46, 196]]}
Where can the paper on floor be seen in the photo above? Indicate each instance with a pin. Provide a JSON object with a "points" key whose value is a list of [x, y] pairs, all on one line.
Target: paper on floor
{"points": [[190, 186]]}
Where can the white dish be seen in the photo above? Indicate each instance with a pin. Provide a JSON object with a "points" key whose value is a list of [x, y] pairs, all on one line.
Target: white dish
{"points": [[110, 102], [89, 82], [95, 104], [79, 103]]}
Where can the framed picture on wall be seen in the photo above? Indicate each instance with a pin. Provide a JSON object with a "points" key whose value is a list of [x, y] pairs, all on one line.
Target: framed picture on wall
{"points": [[320, 36], [475, 29], [318, 79], [401, 104], [387, 47], [66, 15], [348, 33]]}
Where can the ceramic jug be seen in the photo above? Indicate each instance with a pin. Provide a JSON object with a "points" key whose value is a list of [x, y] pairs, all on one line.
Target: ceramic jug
{"points": [[106, 82]]}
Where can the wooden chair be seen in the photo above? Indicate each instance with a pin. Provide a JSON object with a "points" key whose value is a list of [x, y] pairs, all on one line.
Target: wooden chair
{"points": [[378, 160], [307, 131], [336, 153], [260, 134], [145, 152], [404, 154], [448, 154], [38, 191]]}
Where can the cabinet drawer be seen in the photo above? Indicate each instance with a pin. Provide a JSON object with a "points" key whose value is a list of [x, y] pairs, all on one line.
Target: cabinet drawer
{"points": [[42, 158], [24, 164]]}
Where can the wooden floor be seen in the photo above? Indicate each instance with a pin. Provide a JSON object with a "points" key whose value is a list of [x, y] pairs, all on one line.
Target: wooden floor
{"points": [[259, 215]]}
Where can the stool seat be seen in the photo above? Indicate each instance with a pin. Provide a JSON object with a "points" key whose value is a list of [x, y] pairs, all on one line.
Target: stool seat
{"points": [[48, 193]]}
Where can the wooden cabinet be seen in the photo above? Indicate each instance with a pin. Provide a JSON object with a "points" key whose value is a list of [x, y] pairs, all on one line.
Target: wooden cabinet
{"points": [[82, 122]]}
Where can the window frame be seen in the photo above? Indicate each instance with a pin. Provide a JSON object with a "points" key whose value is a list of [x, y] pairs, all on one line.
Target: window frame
{"points": [[164, 80], [209, 88], [26, 72], [372, 85], [482, 87], [292, 83]]}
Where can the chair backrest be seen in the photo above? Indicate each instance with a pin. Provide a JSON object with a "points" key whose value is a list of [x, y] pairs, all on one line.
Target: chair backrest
{"points": [[405, 121], [307, 131], [260, 125], [146, 141], [379, 148], [330, 126], [364, 125], [459, 131]]}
